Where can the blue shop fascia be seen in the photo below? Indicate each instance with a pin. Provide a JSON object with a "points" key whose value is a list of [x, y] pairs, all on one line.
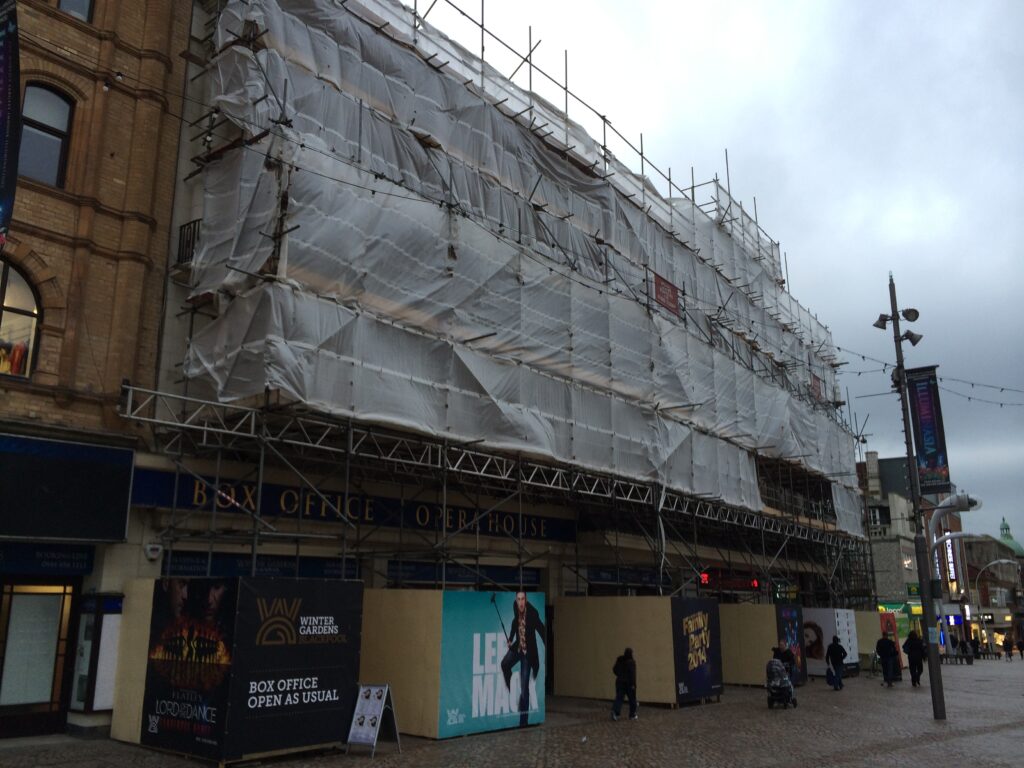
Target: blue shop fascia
{"points": [[279, 503]]}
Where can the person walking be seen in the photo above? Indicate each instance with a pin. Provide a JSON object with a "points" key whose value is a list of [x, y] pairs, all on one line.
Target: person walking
{"points": [[976, 647], [887, 656], [913, 646], [834, 656], [1008, 647], [784, 653], [625, 684], [1020, 647]]}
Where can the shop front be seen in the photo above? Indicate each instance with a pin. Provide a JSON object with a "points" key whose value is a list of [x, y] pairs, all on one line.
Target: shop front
{"points": [[60, 500]]}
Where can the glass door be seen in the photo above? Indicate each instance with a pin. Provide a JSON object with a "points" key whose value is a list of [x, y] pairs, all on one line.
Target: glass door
{"points": [[34, 625]]}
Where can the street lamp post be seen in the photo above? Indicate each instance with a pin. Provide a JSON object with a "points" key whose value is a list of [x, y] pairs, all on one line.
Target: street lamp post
{"points": [[920, 546], [1001, 561]]}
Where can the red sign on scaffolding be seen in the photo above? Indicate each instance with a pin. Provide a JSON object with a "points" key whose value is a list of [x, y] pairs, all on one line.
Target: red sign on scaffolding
{"points": [[666, 294]]}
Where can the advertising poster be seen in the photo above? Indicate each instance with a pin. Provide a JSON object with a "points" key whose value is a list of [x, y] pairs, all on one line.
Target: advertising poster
{"points": [[889, 623], [819, 627], [296, 667], [846, 629], [366, 720], [789, 623], [493, 648], [696, 637], [929, 435], [188, 669]]}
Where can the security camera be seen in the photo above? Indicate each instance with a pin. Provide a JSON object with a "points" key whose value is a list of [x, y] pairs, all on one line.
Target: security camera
{"points": [[153, 551]]}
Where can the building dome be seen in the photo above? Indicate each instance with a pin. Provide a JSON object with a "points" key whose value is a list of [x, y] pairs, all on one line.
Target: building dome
{"points": [[1008, 540]]}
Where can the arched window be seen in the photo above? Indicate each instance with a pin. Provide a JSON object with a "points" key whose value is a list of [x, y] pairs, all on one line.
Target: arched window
{"points": [[81, 9], [19, 322], [45, 134]]}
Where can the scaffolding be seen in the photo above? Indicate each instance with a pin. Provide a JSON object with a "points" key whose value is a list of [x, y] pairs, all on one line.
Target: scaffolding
{"points": [[778, 549], [693, 542]]}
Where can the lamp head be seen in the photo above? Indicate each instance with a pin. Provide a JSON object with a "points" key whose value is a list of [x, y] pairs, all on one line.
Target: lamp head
{"points": [[910, 314], [881, 322], [912, 337]]}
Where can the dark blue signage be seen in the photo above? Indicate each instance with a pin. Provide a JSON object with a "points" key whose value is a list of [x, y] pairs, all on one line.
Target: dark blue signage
{"points": [[611, 574], [156, 489], [56, 490], [408, 571], [228, 565], [10, 113], [45, 559]]}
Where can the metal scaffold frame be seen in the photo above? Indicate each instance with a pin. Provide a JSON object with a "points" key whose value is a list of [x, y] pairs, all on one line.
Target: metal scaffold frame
{"points": [[779, 549]]}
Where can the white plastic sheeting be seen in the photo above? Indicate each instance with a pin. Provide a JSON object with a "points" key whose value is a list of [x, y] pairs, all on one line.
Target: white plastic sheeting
{"points": [[445, 271]]}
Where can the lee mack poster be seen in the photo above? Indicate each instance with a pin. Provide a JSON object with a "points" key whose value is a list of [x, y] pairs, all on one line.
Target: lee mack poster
{"points": [[492, 645]]}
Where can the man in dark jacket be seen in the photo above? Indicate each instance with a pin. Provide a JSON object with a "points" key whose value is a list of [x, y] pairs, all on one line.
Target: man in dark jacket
{"points": [[913, 646], [625, 684], [522, 650], [834, 657], [887, 656]]}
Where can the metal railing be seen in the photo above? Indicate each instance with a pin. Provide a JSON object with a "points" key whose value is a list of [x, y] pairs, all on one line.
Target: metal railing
{"points": [[188, 239]]}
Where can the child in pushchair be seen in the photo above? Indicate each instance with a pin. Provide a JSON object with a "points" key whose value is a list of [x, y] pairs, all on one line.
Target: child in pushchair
{"points": [[779, 685]]}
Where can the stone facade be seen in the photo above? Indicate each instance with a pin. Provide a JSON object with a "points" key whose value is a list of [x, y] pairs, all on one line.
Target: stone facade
{"points": [[95, 251]]}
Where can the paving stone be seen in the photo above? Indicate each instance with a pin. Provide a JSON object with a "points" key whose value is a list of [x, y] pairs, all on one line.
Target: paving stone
{"points": [[865, 724]]}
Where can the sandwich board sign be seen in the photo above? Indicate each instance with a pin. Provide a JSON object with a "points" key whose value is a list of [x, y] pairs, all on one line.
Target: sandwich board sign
{"points": [[373, 707]]}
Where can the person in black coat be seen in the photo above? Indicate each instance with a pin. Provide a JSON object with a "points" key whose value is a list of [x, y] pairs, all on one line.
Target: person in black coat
{"points": [[522, 650], [834, 657], [784, 653], [914, 647], [887, 656], [625, 684]]}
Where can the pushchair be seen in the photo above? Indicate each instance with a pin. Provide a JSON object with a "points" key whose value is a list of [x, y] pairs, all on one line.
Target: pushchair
{"points": [[779, 685]]}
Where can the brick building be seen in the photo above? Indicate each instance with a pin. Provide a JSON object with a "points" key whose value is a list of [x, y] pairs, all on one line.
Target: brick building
{"points": [[81, 288]]}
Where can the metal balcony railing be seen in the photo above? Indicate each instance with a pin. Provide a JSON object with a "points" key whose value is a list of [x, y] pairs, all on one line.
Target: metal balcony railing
{"points": [[188, 238]]}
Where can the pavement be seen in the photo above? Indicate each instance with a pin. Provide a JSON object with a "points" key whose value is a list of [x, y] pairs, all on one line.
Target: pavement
{"points": [[865, 724]]}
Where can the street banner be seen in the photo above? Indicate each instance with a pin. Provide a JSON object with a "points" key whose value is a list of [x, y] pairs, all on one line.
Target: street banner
{"points": [[10, 113], [929, 436], [188, 672], [493, 648], [696, 638], [789, 624]]}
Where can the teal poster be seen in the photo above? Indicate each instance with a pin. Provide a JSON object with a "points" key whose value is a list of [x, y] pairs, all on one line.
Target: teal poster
{"points": [[493, 646]]}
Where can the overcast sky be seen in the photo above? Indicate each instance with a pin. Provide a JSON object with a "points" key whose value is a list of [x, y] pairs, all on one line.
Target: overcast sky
{"points": [[876, 136]]}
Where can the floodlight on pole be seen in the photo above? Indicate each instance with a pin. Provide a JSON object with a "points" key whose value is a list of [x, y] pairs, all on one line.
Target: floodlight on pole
{"points": [[913, 338]]}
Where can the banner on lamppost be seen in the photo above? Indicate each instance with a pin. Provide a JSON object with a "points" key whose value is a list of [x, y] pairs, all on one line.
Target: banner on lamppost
{"points": [[929, 437], [10, 113]]}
